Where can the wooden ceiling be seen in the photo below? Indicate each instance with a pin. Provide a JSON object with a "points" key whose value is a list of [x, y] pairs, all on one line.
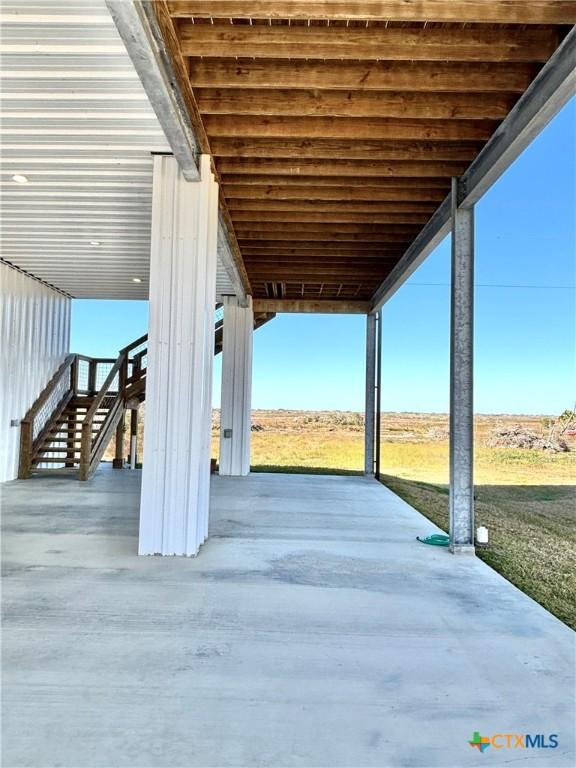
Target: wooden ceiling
{"points": [[336, 126]]}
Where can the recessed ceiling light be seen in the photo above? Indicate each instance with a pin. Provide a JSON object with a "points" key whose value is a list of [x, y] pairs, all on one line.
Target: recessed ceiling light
{"points": [[95, 242], [136, 280], [20, 178]]}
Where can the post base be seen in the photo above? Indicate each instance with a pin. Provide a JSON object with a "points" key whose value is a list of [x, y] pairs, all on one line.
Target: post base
{"points": [[462, 549], [117, 463]]}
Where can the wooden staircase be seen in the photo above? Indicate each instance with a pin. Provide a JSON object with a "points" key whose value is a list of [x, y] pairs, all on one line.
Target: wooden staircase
{"points": [[65, 434], [73, 420], [82, 407]]}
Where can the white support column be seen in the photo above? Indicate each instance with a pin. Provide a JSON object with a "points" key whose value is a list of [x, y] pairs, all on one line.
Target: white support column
{"points": [[370, 400], [461, 378], [235, 417], [176, 466]]}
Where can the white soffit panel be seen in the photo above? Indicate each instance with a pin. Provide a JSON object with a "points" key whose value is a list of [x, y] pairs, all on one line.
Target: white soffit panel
{"points": [[76, 122]]}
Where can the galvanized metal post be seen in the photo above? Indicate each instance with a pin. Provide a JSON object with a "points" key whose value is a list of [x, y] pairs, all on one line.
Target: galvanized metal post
{"points": [[378, 393], [461, 378], [370, 400]]}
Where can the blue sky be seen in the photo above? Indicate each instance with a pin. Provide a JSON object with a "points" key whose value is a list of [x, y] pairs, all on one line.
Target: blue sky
{"points": [[524, 319]]}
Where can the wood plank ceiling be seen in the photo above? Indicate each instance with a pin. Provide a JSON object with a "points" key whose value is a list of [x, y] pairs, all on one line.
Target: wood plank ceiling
{"points": [[336, 126]]}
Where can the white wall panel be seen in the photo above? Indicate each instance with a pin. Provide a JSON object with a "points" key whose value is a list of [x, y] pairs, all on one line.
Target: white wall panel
{"points": [[176, 473], [34, 339], [77, 123], [235, 421]]}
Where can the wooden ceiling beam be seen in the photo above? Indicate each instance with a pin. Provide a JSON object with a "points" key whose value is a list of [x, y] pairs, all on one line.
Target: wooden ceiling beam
{"points": [[365, 149], [249, 239], [288, 230], [308, 305], [382, 182], [331, 255], [308, 167], [327, 263], [479, 77], [322, 275], [352, 128], [459, 11], [356, 259], [323, 263], [302, 247], [315, 288], [369, 193], [368, 43], [321, 206], [389, 104], [328, 245], [335, 217]]}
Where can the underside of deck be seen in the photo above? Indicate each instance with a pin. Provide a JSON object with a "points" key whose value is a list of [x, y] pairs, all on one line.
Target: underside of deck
{"points": [[312, 630]]}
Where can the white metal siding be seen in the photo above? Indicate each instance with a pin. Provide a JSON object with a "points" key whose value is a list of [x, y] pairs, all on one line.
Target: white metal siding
{"points": [[34, 339], [76, 121], [176, 475]]}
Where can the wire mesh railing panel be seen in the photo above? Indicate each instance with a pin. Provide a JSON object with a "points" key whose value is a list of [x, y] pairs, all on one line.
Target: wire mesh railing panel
{"points": [[43, 415], [136, 366], [108, 402], [102, 371], [138, 359], [83, 375]]}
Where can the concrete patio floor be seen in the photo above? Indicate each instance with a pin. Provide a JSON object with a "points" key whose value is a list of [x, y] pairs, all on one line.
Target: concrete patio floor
{"points": [[312, 630]]}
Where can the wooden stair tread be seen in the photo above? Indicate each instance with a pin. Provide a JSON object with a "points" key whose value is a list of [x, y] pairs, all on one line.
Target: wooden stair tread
{"points": [[57, 431], [55, 469], [64, 440]]}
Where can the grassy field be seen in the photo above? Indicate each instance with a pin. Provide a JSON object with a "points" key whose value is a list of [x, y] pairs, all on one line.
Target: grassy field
{"points": [[526, 498], [414, 446]]}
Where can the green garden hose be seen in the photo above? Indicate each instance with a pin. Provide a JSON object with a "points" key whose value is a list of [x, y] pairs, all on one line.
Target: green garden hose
{"points": [[436, 539]]}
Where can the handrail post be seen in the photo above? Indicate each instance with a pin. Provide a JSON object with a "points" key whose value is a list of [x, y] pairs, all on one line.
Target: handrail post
{"points": [[85, 449], [71, 421], [74, 375], [118, 460], [25, 464], [123, 375], [92, 370], [133, 438]]}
